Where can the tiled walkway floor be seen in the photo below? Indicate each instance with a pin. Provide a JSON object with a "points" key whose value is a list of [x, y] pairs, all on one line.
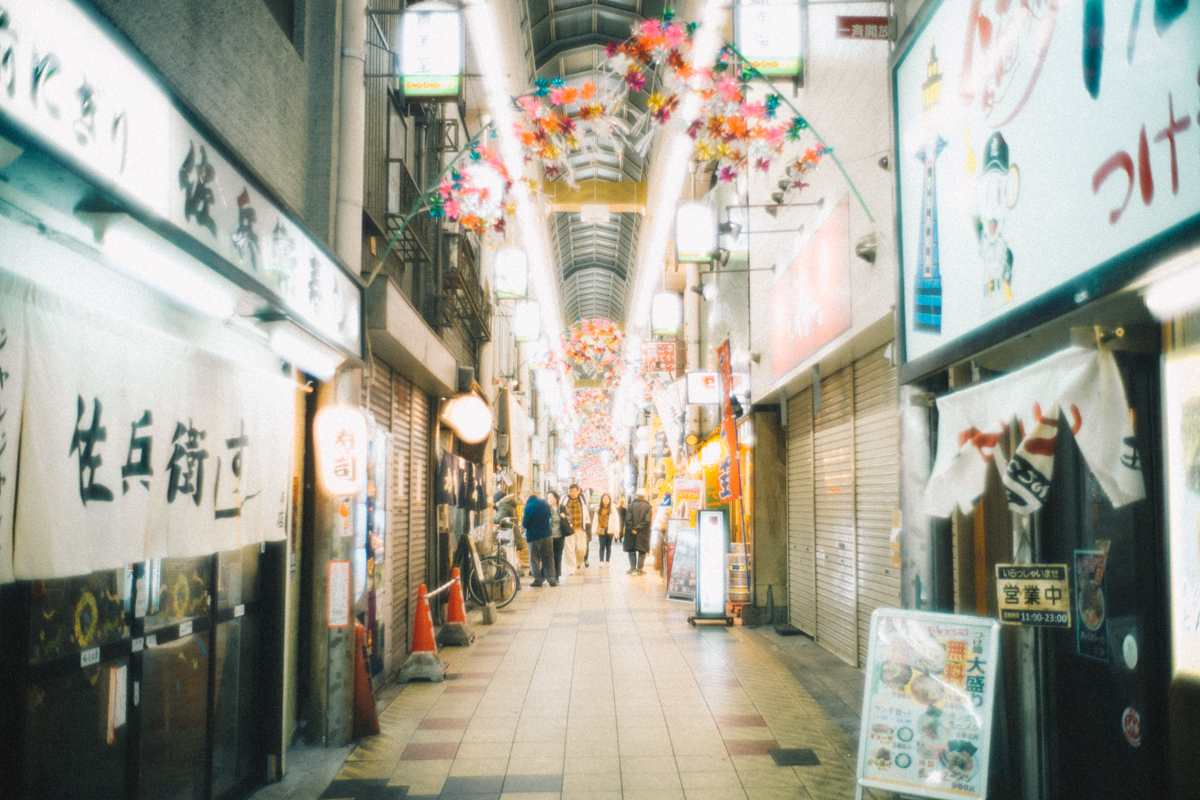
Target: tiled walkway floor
{"points": [[600, 690]]}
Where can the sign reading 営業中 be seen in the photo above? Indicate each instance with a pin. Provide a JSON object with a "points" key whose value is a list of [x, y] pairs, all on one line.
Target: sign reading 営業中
{"points": [[121, 128], [927, 703], [1033, 594], [1034, 144], [810, 302]]}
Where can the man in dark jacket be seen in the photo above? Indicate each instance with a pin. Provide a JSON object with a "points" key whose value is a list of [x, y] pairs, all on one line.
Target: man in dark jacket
{"points": [[637, 532], [536, 521]]}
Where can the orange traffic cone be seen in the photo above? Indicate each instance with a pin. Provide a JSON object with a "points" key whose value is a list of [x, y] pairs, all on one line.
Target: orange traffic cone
{"points": [[366, 720], [423, 663], [455, 632]]}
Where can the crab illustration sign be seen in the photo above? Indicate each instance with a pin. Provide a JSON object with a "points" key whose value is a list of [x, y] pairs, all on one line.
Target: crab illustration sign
{"points": [[1026, 185], [810, 302]]}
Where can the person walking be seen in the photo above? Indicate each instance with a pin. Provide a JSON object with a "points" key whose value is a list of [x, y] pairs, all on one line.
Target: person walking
{"points": [[556, 532], [577, 517], [637, 532], [607, 524], [536, 521]]}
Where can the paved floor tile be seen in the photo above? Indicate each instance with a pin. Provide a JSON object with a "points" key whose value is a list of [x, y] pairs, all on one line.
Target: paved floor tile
{"points": [[600, 690]]}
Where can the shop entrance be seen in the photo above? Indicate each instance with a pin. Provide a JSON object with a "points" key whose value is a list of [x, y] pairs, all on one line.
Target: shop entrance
{"points": [[1105, 678]]}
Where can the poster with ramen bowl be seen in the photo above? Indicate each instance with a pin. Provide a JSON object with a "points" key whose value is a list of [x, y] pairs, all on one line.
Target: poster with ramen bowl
{"points": [[927, 703]]}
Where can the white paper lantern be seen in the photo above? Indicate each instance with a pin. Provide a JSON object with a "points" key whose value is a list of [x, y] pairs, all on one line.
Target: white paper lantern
{"points": [[469, 418], [340, 435], [511, 272], [666, 314], [527, 321], [695, 233]]}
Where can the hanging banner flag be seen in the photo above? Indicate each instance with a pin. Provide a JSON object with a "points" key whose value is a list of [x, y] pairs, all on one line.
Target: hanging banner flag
{"points": [[137, 446], [12, 393], [729, 432]]}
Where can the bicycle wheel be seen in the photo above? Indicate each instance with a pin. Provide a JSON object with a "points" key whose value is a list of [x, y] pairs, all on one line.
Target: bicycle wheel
{"points": [[499, 580]]}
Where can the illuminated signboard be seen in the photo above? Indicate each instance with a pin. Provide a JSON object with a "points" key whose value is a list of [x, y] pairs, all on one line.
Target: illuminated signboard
{"points": [[431, 51], [712, 543], [769, 33]]}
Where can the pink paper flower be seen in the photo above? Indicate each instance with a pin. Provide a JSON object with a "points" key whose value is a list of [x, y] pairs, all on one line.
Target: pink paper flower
{"points": [[635, 80]]}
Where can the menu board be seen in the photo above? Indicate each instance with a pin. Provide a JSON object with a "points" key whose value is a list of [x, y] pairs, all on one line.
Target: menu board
{"points": [[927, 703], [682, 584]]}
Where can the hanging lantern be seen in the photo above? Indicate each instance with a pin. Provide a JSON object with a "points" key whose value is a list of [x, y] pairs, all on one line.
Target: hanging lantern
{"points": [[511, 273], [431, 51], [527, 321], [469, 418], [770, 34], [695, 233], [666, 314], [340, 435]]}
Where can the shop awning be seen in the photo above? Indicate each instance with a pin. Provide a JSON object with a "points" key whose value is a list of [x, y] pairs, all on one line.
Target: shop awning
{"points": [[1077, 386]]}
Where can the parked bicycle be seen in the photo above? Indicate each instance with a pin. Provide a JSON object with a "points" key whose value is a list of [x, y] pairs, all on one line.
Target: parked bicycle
{"points": [[491, 578]]}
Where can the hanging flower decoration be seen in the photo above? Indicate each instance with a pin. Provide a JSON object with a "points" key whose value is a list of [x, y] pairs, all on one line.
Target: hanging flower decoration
{"points": [[556, 120], [474, 193], [596, 346], [592, 401]]}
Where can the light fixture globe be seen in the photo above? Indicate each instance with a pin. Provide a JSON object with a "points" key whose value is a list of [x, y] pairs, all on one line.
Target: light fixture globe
{"points": [[469, 417]]}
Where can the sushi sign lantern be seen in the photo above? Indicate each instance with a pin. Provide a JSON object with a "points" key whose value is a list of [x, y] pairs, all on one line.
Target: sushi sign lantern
{"points": [[695, 233], [770, 34], [340, 435], [431, 51], [512, 273]]}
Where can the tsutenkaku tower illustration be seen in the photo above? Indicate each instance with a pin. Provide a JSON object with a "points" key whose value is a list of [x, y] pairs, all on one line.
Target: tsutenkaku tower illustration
{"points": [[927, 290]]}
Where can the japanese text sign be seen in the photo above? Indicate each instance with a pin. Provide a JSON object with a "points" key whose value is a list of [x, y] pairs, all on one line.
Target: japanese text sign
{"points": [[1012, 114], [810, 302], [136, 444], [1033, 594], [120, 127], [770, 35], [875, 28], [927, 703], [660, 357], [340, 436]]}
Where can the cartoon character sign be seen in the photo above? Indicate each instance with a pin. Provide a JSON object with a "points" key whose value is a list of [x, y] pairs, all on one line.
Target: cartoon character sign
{"points": [[997, 190]]}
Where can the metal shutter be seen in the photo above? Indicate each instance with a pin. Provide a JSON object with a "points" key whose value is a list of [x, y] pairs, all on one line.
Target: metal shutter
{"points": [[398, 518], [802, 588], [833, 444], [377, 387], [876, 487], [418, 493]]}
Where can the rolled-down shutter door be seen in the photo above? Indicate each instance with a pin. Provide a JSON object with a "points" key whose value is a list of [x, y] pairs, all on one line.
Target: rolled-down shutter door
{"points": [[802, 588], [378, 382], [877, 487], [418, 493], [398, 517], [833, 454]]}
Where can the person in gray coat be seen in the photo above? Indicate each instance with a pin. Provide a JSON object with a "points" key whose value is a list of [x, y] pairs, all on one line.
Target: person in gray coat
{"points": [[637, 532]]}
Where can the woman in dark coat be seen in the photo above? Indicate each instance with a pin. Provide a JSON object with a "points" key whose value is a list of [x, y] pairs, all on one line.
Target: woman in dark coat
{"points": [[637, 532]]}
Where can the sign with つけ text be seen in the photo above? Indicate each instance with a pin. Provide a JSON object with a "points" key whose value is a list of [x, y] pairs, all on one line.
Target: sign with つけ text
{"points": [[1012, 114], [1034, 594]]}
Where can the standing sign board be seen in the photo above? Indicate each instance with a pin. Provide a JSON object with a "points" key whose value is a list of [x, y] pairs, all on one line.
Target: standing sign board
{"points": [[682, 582], [994, 103], [927, 703], [712, 542], [1181, 405]]}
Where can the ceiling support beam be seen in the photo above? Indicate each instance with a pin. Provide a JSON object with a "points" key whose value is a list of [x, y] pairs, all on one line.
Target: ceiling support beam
{"points": [[621, 197]]}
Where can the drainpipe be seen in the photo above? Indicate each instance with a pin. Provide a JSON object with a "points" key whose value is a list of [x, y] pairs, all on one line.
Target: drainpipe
{"points": [[351, 136]]}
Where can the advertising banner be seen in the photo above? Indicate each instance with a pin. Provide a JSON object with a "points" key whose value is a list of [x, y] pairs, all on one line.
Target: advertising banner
{"points": [[927, 703], [689, 498], [138, 446], [1039, 145], [729, 434], [810, 302], [1092, 634], [682, 583], [1181, 404]]}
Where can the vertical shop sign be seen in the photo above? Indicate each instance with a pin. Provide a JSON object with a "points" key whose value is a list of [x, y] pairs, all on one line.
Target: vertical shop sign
{"points": [[1181, 404], [874, 28], [1092, 637], [927, 703], [729, 433]]}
